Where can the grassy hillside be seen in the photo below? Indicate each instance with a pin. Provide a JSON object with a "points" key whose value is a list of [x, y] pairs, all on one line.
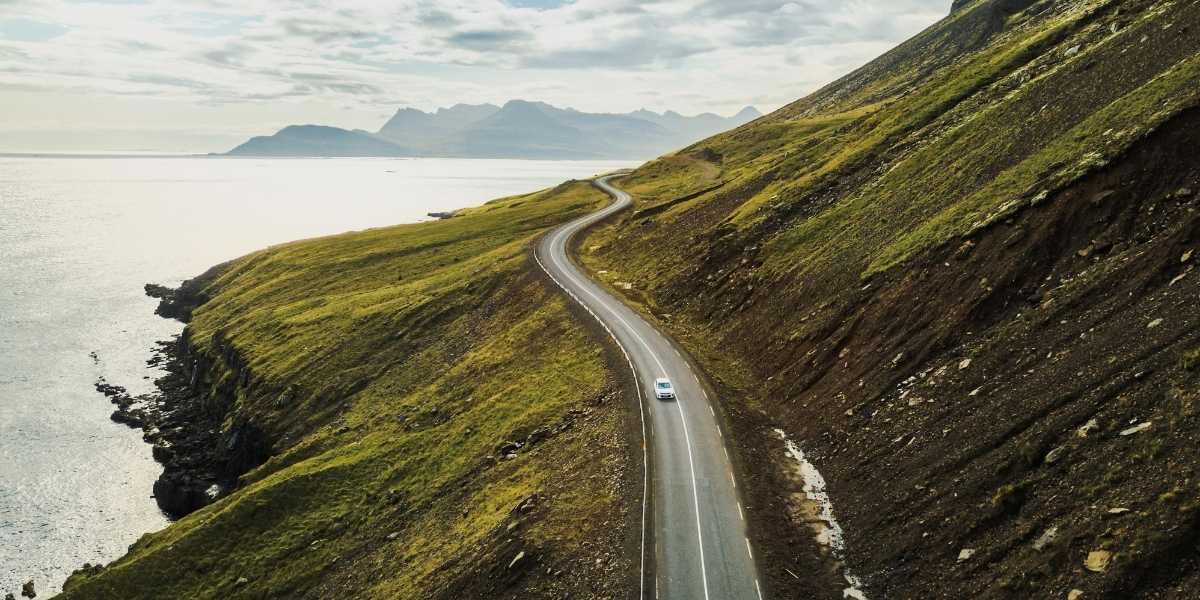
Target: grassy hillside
{"points": [[438, 425], [961, 279]]}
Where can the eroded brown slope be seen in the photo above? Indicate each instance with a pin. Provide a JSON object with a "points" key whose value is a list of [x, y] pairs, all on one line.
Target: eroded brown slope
{"points": [[936, 287]]}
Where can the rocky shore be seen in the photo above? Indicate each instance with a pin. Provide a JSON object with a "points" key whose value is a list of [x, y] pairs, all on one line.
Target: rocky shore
{"points": [[184, 419]]}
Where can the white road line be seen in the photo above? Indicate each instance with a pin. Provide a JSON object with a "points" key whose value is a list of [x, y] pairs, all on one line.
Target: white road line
{"points": [[758, 589], [741, 515], [710, 409], [748, 550], [645, 467], [695, 497]]}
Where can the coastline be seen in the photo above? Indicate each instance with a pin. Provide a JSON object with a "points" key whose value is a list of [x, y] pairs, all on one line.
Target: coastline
{"points": [[183, 422], [507, 514], [80, 485]]}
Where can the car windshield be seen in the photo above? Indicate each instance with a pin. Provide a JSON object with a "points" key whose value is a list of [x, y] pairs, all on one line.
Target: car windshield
{"points": [[663, 385]]}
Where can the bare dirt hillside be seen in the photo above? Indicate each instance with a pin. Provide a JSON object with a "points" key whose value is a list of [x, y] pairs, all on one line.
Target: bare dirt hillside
{"points": [[963, 282]]}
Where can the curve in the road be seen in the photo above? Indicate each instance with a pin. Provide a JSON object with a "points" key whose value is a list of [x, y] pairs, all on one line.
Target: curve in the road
{"points": [[700, 545]]}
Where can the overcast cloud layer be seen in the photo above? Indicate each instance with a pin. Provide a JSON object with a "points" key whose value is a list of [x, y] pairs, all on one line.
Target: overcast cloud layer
{"points": [[207, 69]]}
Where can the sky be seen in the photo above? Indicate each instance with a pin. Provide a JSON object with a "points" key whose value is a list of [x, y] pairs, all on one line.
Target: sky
{"points": [[202, 75]]}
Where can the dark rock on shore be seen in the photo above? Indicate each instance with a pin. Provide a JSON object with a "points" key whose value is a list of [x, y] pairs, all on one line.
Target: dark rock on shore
{"points": [[185, 420], [179, 493], [185, 439], [27, 590], [172, 303], [202, 456], [132, 418], [178, 303]]}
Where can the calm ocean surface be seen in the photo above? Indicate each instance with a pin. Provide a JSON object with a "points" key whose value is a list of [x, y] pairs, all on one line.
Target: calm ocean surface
{"points": [[78, 239]]}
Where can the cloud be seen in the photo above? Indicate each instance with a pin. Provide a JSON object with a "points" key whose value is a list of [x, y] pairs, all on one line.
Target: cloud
{"points": [[629, 52], [689, 55], [490, 40], [231, 55], [435, 18]]}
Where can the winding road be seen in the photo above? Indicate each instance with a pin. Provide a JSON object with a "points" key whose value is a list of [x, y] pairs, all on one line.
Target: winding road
{"points": [[694, 543]]}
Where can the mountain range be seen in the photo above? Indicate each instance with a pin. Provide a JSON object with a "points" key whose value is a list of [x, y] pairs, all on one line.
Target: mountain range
{"points": [[519, 129]]}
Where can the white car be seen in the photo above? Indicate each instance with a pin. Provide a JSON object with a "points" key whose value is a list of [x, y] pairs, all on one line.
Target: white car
{"points": [[663, 390]]}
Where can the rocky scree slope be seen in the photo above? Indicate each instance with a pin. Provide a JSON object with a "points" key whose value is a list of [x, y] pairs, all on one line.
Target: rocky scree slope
{"points": [[433, 424], [963, 281]]}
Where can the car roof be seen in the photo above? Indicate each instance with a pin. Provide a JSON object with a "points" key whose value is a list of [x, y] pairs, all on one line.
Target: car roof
{"points": [[662, 380]]}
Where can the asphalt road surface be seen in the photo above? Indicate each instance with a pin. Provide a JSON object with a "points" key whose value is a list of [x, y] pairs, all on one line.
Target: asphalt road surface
{"points": [[694, 528]]}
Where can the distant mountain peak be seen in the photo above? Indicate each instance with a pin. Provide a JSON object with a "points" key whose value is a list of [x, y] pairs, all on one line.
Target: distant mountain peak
{"points": [[519, 129], [460, 107], [518, 103], [748, 113], [308, 130]]}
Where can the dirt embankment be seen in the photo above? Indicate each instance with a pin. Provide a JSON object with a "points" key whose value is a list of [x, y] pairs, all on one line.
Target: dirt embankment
{"points": [[1024, 399], [1006, 410], [1012, 414]]}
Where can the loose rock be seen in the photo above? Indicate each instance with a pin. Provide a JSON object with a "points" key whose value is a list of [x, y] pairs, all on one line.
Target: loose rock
{"points": [[1087, 428], [1155, 324], [539, 435], [965, 554], [516, 559], [1074, 594], [528, 505], [1054, 455], [1098, 561], [1046, 539], [1138, 428], [27, 590]]}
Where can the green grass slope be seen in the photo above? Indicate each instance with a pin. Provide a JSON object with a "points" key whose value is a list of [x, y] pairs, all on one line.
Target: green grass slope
{"points": [[956, 278], [392, 371]]}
